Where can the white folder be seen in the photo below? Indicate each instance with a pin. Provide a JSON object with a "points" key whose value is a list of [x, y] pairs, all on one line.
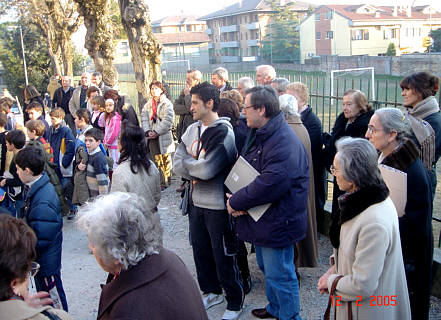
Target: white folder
{"points": [[396, 181], [240, 176]]}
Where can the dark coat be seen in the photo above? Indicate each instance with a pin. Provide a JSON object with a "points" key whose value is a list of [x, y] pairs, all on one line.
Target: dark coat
{"points": [[158, 287], [281, 159], [356, 129], [314, 127], [435, 122], [181, 107], [58, 99], [42, 212], [240, 133], [126, 111], [415, 227]]}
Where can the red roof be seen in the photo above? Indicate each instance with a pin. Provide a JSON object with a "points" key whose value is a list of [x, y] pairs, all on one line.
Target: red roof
{"points": [[385, 13], [182, 37]]}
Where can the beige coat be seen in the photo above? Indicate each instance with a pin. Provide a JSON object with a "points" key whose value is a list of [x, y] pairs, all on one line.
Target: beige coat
{"points": [[307, 252], [19, 310], [163, 124], [146, 186], [370, 259]]}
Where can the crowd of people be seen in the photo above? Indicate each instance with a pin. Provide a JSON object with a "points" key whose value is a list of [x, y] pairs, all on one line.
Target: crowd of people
{"points": [[100, 163]]}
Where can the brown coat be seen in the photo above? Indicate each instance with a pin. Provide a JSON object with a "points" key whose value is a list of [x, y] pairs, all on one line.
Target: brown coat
{"points": [[307, 252], [158, 287]]}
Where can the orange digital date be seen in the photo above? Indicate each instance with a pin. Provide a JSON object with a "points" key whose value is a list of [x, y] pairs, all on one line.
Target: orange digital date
{"points": [[374, 301]]}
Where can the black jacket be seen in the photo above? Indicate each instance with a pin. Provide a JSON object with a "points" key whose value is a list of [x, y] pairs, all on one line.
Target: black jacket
{"points": [[58, 98], [415, 227]]}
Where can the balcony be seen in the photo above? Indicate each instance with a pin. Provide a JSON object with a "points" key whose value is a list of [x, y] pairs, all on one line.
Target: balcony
{"points": [[229, 44], [230, 59], [253, 26], [252, 58], [253, 43], [209, 31], [232, 28]]}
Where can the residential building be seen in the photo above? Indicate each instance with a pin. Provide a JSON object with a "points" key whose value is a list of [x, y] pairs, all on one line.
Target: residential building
{"points": [[366, 29], [236, 31], [184, 42]]}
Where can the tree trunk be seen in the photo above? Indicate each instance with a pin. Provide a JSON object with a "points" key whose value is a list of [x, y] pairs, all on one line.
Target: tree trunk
{"points": [[99, 37], [66, 55], [145, 49]]}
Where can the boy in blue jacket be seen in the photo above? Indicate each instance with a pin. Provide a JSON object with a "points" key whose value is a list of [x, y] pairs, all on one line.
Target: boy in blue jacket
{"points": [[62, 142], [42, 212]]}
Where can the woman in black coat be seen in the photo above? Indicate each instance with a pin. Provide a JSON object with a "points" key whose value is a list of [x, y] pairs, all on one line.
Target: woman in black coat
{"points": [[123, 106], [387, 131], [352, 122]]}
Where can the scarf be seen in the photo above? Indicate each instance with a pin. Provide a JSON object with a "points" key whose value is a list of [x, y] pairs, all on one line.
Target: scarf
{"points": [[422, 129], [352, 204], [403, 156], [154, 110]]}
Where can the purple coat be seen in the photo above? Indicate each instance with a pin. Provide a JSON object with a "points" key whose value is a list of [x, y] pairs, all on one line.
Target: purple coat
{"points": [[279, 156]]}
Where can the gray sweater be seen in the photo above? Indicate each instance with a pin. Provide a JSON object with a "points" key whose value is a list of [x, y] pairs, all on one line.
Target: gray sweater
{"points": [[146, 186], [208, 169]]}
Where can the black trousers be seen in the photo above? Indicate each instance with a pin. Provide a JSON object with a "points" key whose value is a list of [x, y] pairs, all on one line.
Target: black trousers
{"points": [[213, 244]]}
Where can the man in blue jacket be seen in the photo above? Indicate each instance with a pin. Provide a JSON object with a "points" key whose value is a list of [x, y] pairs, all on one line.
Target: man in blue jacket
{"points": [[42, 212], [275, 151]]}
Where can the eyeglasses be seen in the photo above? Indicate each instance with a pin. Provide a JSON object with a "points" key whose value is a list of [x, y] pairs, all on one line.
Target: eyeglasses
{"points": [[334, 169], [371, 129], [244, 108], [35, 267]]}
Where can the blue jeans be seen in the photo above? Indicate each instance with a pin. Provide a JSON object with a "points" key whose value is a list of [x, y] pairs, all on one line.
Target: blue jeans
{"points": [[282, 286]]}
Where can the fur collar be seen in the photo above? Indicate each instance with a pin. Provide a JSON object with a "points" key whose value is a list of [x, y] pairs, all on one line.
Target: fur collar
{"points": [[352, 204], [402, 157]]}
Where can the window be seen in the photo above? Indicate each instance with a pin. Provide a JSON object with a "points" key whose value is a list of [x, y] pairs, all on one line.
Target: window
{"points": [[317, 36], [329, 34], [360, 34], [317, 17], [329, 15]]}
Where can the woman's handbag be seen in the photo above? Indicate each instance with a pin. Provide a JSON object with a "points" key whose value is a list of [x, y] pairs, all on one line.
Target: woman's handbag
{"points": [[331, 299]]}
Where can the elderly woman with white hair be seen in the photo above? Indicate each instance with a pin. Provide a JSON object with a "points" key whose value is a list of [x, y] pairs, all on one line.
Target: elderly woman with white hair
{"points": [[306, 250], [145, 280], [389, 132], [367, 271]]}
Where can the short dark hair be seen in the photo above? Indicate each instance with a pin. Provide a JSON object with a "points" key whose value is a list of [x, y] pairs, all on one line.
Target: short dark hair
{"points": [[97, 74], [17, 251], [3, 120], [207, 91], [84, 114], [34, 106], [7, 101], [265, 96], [424, 83], [57, 113], [95, 133], [17, 138], [37, 126], [228, 108], [92, 89], [31, 157]]}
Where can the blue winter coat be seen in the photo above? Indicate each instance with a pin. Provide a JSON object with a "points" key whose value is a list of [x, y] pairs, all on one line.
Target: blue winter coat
{"points": [[42, 212], [280, 158], [61, 159]]}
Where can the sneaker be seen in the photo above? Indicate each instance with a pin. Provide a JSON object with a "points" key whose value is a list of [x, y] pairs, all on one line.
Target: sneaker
{"points": [[211, 299], [231, 315]]}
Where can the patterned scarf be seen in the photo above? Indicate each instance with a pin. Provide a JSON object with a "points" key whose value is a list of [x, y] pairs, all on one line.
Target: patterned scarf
{"points": [[422, 129]]}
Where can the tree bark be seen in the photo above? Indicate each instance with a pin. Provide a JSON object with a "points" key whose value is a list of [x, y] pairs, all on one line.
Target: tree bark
{"points": [[99, 37], [145, 49]]}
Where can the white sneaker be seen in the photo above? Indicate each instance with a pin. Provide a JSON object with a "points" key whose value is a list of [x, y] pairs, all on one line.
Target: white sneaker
{"points": [[231, 315], [211, 299]]}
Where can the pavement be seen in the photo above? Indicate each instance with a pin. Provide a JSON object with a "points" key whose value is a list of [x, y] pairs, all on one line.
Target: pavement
{"points": [[82, 275]]}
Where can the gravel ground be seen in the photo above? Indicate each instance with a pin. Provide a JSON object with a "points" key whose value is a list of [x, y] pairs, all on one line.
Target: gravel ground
{"points": [[82, 275]]}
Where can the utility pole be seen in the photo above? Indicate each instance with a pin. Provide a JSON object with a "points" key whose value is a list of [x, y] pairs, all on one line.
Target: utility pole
{"points": [[24, 58]]}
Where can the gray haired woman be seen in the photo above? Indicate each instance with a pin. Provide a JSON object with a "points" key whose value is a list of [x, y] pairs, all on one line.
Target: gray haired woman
{"points": [[144, 278], [367, 260], [388, 131]]}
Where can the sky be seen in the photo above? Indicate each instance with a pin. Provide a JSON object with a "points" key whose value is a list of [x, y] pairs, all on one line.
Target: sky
{"points": [[160, 9]]}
